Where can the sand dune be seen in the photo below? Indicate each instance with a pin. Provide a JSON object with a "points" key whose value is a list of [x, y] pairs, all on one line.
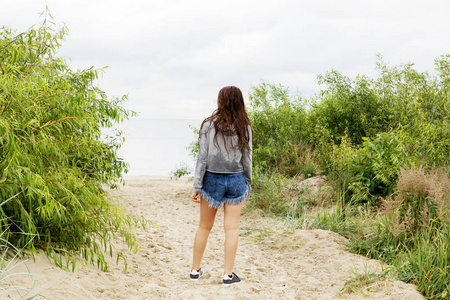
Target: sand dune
{"points": [[273, 262]]}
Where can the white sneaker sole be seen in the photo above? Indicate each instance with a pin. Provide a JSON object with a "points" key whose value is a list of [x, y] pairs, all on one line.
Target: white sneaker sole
{"points": [[234, 283]]}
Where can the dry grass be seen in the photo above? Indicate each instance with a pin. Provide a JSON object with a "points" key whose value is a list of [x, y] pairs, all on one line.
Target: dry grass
{"points": [[429, 192], [412, 181], [437, 185]]}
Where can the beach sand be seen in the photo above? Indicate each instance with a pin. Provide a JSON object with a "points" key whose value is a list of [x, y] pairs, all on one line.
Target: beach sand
{"points": [[273, 261]]}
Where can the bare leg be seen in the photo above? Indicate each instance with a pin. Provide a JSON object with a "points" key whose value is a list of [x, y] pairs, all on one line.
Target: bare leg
{"points": [[232, 214], [207, 216]]}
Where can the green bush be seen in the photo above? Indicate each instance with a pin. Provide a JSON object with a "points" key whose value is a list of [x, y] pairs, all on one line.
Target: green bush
{"points": [[349, 107], [365, 129], [52, 155], [279, 124], [375, 168], [181, 170], [336, 161], [402, 101], [363, 173]]}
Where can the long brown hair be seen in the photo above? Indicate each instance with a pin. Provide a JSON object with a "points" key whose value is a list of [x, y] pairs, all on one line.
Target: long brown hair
{"points": [[230, 117]]}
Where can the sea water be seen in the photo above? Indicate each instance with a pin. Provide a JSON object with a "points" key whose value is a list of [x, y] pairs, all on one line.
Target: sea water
{"points": [[157, 146]]}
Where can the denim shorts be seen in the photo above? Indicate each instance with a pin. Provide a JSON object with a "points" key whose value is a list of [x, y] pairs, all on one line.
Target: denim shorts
{"points": [[227, 188]]}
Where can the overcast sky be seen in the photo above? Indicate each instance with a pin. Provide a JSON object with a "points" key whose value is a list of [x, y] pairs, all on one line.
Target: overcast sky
{"points": [[173, 56]]}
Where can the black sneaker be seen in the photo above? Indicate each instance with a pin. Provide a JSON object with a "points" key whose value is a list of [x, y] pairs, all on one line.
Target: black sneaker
{"points": [[234, 279], [196, 274]]}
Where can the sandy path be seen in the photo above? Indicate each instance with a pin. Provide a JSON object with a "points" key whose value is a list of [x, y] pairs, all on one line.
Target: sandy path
{"points": [[273, 262]]}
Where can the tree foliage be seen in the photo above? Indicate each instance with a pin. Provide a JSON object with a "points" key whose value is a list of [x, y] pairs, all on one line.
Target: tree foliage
{"points": [[278, 119], [412, 105], [349, 107], [53, 159]]}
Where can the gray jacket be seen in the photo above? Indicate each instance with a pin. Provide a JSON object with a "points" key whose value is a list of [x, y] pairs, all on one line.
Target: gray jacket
{"points": [[215, 158]]}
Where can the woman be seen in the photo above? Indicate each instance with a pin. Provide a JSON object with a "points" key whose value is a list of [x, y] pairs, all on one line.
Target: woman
{"points": [[223, 174]]}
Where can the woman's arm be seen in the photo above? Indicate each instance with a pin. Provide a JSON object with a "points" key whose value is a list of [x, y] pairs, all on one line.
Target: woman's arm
{"points": [[247, 161], [200, 167]]}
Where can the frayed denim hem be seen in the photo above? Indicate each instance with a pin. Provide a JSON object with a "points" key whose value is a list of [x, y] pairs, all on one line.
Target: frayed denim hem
{"points": [[217, 204], [236, 201], [212, 203]]}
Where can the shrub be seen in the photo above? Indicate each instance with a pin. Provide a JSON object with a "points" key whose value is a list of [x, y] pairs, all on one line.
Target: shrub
{"points": [[193, 146], [350, 108], [403, 101], [420, 109], [362, 173], [279, 124], [375, 167], [52, 156], [181, 170], [336, 162]]}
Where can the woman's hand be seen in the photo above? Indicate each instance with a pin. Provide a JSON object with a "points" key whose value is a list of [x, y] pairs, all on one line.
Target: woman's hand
{"points": [[196, 197]]}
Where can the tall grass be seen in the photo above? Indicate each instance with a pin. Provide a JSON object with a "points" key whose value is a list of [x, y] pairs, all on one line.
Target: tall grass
{"points": [[269, 193], [422, 258], [428, 264], [9, 261]]}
